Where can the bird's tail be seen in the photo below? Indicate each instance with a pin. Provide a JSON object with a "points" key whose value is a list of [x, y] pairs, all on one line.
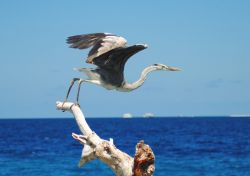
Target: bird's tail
{"points": [[79, 69], [87, 72]]}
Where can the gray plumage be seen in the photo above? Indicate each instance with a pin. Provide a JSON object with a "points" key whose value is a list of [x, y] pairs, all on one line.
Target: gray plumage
{"points": [[110, 54]]}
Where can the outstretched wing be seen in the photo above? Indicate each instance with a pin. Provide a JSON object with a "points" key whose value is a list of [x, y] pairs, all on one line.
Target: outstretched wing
{"points": [[115, 59], [101, 42]]}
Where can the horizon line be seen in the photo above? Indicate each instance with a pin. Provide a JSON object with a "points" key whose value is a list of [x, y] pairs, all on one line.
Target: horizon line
{"points": [[141, 117]]}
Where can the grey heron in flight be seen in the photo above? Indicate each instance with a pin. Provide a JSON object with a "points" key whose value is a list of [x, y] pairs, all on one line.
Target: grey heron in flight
{"points": [[109, 53]]}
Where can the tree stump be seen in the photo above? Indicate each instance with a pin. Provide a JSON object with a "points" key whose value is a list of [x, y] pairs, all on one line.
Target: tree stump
{"points": [[96, 148]]}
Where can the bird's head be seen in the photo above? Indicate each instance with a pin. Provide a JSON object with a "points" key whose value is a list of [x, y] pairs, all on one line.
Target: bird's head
{"points": [[165, 67]]}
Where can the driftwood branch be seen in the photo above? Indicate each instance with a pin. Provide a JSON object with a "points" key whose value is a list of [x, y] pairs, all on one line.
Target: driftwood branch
{"points": [[96, 148]]}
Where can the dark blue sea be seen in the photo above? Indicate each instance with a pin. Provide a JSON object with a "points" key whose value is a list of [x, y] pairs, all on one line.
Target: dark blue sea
{"points": [[183, 146]]}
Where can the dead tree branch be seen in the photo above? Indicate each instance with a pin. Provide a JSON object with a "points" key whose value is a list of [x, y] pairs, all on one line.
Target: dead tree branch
{"points": [[96, 148]]}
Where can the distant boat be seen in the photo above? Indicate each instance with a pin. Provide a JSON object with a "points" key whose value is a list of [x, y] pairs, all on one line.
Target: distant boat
{"points": [[148, 115], [127, 115]]}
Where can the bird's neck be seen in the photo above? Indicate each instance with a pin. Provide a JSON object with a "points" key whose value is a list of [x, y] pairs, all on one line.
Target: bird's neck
{"points": [[131, 86]]}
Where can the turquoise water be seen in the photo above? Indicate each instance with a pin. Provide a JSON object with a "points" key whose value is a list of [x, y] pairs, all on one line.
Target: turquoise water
{"points": [[183, 146]]}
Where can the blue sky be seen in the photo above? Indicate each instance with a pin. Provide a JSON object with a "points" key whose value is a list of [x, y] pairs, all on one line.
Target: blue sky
{"points": [[209, 40]]}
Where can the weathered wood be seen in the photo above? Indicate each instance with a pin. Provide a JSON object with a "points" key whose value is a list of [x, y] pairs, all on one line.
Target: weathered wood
{"points": [[96, 148], [144, 160]]}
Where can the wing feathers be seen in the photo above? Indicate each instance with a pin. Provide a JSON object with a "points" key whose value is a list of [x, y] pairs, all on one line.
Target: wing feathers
{"points": [[85, 41], [101, 42], [116, 58]]}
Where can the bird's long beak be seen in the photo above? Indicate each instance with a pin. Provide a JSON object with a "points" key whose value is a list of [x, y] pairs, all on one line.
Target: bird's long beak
{"points": [[173, 69]]}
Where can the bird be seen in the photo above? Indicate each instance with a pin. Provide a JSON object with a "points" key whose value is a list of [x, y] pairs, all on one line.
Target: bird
{"points": [[109, 52]]}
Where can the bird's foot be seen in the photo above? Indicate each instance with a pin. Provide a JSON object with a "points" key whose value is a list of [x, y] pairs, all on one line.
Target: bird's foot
{"points": [[63, 105], [77, 104]]}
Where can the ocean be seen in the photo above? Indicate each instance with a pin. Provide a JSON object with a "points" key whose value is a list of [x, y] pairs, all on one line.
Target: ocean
{"points": [[207, 146]]}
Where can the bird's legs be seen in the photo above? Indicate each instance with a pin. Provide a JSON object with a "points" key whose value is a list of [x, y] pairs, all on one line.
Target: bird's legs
{"points": [[80, 81], [70, 87]]}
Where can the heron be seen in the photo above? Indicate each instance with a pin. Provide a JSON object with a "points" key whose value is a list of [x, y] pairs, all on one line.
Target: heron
{"points": [[109, 53]]}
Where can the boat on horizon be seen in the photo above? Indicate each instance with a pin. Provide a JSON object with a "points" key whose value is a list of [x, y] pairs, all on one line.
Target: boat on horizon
{"points": [[148, 115], [127, 115]]}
